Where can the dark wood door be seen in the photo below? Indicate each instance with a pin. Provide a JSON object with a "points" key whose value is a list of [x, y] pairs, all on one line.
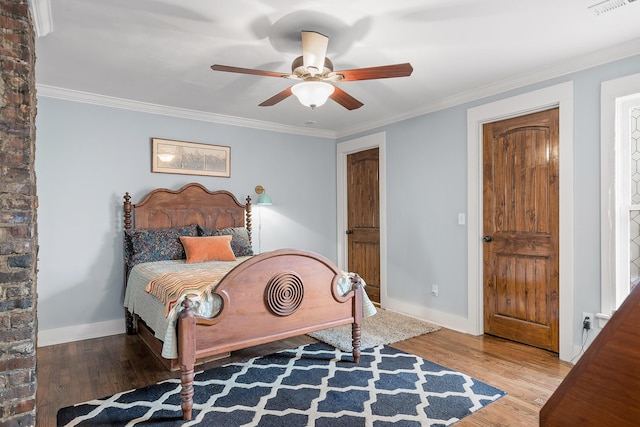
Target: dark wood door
{"points": [[521, 232], [363, 223]]}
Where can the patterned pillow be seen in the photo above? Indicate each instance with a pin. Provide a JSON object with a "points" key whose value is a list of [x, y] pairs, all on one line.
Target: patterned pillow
{"points": [[239, 240], [156, 244]]}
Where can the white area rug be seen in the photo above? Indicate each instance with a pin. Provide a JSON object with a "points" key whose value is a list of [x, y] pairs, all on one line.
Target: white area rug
{"points": [[384, 327]]}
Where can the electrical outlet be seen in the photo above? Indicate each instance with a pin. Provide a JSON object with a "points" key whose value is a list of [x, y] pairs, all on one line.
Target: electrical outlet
{"points": [[587, 319], [434, 290]]}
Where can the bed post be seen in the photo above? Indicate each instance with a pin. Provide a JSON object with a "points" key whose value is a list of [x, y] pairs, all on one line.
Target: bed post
{"points": [[248, 218], [127, 211], [356, 285], [187, 355], [130, 322]]}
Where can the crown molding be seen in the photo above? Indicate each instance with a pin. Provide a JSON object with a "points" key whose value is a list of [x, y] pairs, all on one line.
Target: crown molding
{"points": [[41, 14], [604, 56], [601, 57], [145, 107]]}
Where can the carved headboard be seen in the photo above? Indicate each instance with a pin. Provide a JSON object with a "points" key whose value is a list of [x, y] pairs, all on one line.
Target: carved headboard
{"points": [[192, 204]]}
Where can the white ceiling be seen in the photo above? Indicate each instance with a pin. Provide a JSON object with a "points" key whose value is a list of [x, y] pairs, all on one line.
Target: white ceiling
{"points": [[159, 53]]}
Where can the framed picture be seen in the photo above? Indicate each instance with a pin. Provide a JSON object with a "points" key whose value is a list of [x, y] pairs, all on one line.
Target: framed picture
{"points": [[190, 158]]}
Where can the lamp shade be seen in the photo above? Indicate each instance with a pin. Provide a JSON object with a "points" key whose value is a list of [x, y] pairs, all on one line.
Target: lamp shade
{"points": [[312, 94], [264, 200]]}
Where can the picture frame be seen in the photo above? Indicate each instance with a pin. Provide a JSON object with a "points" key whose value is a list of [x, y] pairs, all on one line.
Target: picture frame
{"points": [[190, 158]]}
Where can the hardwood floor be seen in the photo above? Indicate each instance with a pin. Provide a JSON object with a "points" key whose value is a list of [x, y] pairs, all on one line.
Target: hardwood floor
{"points": [[79, 371]]}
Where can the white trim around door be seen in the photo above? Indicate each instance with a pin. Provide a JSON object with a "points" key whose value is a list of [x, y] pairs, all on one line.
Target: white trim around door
{"points": [[343, 150], [561, 96]]}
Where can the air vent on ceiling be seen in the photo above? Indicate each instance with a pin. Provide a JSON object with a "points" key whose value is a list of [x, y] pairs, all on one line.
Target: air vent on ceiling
{"points": [[608, 6]]}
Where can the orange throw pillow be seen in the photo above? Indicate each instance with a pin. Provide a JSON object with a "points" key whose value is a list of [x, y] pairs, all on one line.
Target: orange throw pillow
{"points": [[208, 248]]}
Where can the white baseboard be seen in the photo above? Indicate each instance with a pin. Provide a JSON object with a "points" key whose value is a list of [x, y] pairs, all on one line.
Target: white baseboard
{"points": [[80, 332], [449, 321]]}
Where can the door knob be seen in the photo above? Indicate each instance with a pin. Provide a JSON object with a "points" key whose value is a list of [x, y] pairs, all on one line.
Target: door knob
{"points": [[349, 231], [487, 239]]}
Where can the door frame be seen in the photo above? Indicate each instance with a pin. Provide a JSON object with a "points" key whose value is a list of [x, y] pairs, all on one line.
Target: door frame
{"points": [[376, 140], [561, 96]]}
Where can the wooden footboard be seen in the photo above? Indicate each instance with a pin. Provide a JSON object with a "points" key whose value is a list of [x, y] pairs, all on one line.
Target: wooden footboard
{"points": [[271, 296]]}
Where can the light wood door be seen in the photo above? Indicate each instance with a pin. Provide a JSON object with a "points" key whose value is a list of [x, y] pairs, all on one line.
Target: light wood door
{"points": [[521, 232], [363, 219]]}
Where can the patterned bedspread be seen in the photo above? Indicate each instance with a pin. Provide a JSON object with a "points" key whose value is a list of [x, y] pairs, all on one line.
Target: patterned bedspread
{"points": [[152, 310]]}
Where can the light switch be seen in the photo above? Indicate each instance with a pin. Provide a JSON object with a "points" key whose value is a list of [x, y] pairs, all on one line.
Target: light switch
{"points": [[461, 219]]}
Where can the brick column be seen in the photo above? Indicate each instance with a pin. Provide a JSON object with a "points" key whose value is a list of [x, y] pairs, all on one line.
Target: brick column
{"points": [[18, 202]]}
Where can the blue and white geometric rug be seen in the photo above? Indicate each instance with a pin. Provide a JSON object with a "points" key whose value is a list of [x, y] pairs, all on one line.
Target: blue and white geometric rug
{"points": [[312, 385]]}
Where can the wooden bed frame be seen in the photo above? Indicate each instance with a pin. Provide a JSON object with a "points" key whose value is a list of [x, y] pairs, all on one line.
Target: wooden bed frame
{"points": [[271, 296]]}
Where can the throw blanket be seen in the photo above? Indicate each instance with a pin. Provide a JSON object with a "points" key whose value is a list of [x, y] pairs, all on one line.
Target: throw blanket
{"points": [[172, 288]]}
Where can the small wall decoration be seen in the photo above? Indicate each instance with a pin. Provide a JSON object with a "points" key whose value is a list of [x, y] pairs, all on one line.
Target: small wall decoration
{"points": [[190, 158]]}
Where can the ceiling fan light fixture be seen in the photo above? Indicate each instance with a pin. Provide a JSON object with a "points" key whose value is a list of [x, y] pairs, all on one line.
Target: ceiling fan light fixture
{"points": [[312, 94], [315, 72]]}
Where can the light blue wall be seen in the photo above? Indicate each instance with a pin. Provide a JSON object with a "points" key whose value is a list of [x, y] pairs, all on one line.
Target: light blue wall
{"points": [[427, 188], [88, 156]]}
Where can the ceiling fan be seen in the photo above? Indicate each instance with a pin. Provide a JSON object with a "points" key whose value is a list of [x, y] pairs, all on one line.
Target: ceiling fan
{"points": [[315, 72]]}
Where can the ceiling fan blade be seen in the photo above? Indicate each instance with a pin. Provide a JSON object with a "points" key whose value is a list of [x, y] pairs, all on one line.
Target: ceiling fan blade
{"points": [[277, 98], [314, 50], [230, 69], [382, 72], [344, 99]]}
